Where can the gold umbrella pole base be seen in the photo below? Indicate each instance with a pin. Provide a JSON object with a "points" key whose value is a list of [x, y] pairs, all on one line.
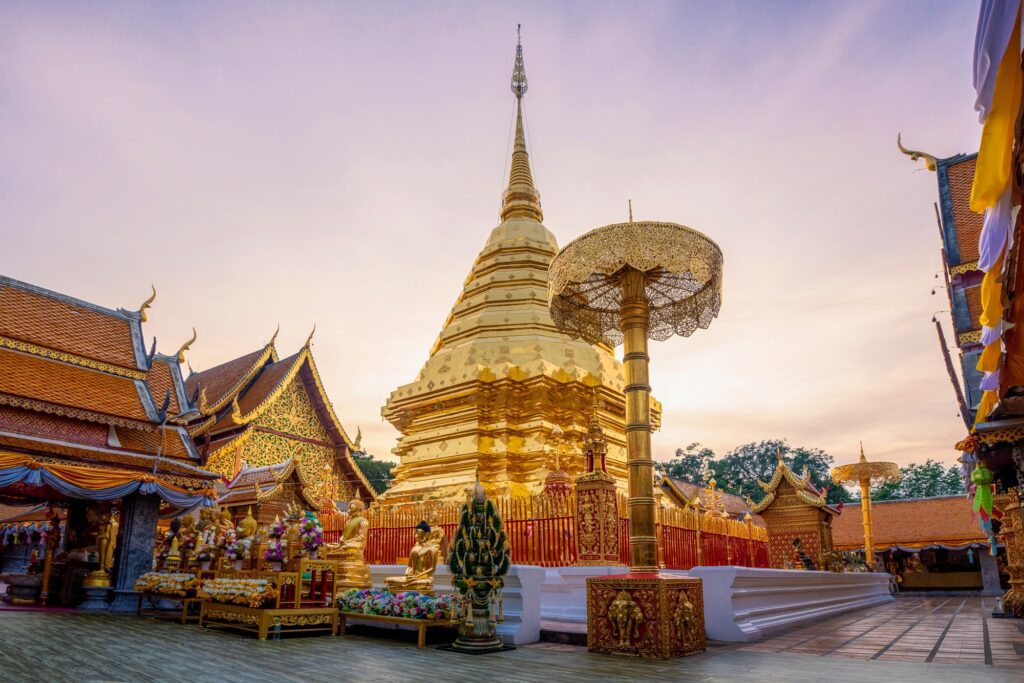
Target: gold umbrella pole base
{"points": [[97, 579], [645, 615]]}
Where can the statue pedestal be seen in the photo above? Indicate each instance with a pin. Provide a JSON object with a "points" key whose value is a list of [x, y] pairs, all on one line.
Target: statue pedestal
{"points": [[97, 598], [645, 615]]}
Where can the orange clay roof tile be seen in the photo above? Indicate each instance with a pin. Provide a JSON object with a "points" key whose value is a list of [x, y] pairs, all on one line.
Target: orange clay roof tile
{"points": [[967, 223], [50, 381], [945, 519], [222, 379], [42, 320]]}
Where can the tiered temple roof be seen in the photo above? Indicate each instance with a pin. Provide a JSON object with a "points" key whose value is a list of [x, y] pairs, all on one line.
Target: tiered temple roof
{"points": [[685, 494], [258, 412], [79, 392], [943, 521]]}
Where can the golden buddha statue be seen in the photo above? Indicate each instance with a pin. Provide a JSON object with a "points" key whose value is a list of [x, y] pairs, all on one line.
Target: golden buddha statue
{"points": [[419, 574], [225, 525], [100, 578], [353, 571], [205, 519], [247, 527]]}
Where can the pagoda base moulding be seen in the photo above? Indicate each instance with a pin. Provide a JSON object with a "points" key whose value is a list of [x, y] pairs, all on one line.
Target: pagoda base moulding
{"points": [[657, 616], [564, 591], [753, 603]]}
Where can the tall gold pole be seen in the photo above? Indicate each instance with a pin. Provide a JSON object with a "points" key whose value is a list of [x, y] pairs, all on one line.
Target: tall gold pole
{"points": [[865, 509], [634, 317]]}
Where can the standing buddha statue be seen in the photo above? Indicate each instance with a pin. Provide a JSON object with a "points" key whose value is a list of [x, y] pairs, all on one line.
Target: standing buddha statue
{"points": [[353, 571]]}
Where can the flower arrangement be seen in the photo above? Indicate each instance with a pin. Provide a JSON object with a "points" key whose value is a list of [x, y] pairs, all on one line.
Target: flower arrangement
{"points": [[232, 550], [247, 592], [179, 584], [408, 604], [311, 533], [274, 551]]}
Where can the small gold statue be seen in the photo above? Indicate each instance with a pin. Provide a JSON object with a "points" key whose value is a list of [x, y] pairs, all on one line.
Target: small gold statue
{"points": [[225, 525], [915, 565], [353, 571], [625, 617], [100, 578], [423, 558]]}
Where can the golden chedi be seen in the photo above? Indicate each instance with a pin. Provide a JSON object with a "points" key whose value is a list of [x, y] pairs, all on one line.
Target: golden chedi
{"points": [[501, 376], [353, 571], [423, 558]]}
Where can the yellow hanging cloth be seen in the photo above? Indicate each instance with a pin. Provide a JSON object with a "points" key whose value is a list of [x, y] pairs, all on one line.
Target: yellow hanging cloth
{"points": [[992, 171], [985, 406]]}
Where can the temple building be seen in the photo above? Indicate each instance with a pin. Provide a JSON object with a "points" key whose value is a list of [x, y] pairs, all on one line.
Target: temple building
{"points": [[266, 426], [797, 517], [93, 424], [503, 386], [929, 543]]}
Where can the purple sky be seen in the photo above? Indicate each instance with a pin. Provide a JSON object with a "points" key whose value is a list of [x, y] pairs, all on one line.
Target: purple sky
{"points": [[342, 164]]}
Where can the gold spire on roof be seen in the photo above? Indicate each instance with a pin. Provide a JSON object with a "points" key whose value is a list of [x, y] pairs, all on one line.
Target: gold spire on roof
{"points": [[186, 346], [521, 198]]}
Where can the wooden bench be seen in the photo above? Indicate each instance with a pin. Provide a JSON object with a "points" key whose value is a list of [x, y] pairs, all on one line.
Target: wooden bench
{"points": [[186, 607], [421, 624]]}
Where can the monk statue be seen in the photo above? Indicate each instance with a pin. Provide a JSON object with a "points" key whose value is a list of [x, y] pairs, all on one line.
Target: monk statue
{"points": [[419, 574], [225, 525], [205, 519], [353, 572]]}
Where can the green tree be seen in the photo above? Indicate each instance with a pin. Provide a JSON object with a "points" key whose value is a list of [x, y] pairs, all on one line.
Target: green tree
{"points": [[688, 464], [921, 481], [378, 472], [741, 468]]}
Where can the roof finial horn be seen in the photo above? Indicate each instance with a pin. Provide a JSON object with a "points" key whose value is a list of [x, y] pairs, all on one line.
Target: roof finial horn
{"points": [[146, 304], [929, 160], [186, 346]]}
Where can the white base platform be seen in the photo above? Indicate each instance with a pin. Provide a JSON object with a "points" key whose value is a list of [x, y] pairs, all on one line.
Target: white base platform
{"points": [[564, 591], [743, 604], [522, 595]]}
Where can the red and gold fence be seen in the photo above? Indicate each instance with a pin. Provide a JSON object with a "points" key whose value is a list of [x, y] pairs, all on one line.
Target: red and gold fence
{"points": [[541, 531]]}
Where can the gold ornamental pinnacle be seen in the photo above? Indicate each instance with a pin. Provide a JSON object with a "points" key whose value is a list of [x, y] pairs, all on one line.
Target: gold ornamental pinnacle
{"points": [[519, 70]]}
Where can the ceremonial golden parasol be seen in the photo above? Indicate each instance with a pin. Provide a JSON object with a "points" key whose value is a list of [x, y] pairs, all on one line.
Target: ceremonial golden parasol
{"points": [[866, 473], [622, 284]]}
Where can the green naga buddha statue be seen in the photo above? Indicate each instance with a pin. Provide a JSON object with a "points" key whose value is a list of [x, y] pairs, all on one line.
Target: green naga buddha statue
{"points": [[480, 558]]}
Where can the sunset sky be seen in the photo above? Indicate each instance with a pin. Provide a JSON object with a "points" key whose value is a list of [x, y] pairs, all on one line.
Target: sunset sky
{"points": [[342, 164]]}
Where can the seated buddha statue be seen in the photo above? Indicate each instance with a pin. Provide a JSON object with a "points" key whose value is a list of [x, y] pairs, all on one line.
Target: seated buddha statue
{"points": [[419, 574], [225, 525], [353, 571]]}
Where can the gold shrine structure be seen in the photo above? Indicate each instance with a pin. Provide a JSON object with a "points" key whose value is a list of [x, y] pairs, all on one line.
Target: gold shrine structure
{"points": [[267, 427], [794, 509], [502, 376]]}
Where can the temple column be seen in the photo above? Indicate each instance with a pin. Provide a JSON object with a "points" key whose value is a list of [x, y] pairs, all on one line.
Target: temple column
{"points": [[135, 542]]}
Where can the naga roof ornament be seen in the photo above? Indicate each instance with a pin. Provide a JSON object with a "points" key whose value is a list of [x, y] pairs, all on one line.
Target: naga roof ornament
{"points": [[929, 160], [146, 304], [186, 346]]}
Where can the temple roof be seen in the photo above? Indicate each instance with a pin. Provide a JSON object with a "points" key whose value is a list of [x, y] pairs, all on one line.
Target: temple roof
{"points": [[220, 384], [683, 493], [89, 391], [63, 324], [258, 484], [915, 522], [806, 492]]}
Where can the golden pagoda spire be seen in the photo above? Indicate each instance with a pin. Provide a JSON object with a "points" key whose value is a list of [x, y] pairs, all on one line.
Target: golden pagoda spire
{"points": [[521, 198]]}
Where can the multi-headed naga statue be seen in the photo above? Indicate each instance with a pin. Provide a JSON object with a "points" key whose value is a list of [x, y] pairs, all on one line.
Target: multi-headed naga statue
{"points": [[480, 558]]}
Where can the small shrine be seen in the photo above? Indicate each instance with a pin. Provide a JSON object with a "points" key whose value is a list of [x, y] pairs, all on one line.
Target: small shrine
{"points": [[597, 504], [797, 517]]}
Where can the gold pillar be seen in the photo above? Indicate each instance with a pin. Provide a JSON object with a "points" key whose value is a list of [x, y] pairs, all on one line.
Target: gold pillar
{"points": [[634, 316], [865, 509]]}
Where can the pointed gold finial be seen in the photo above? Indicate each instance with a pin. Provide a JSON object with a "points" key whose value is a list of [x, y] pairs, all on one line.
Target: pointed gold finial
{"points": [[357, 445], [309, 339], [929, 160], [862, 458], [146, 304], [778, 454], [274, 336], [630, 210], [521, 199], [185, 347]]}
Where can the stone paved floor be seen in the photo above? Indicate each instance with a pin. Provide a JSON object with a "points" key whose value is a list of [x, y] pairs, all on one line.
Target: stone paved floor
{"points": [[942, 630], [35, 646]]}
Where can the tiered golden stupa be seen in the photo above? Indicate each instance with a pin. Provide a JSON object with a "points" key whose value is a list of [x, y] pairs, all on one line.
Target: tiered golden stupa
{"points": [[501, 376]]}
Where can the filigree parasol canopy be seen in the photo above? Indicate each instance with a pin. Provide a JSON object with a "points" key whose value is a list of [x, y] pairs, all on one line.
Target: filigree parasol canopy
{"points": [[862, 470], [682, 279]]}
